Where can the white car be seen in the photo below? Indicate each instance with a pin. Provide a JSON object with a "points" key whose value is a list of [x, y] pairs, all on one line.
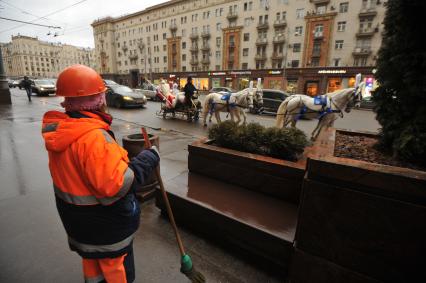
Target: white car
{"points": [[149, 90]]}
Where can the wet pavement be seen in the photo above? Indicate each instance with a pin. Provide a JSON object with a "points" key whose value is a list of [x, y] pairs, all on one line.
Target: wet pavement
{"points": [[33, 243]]}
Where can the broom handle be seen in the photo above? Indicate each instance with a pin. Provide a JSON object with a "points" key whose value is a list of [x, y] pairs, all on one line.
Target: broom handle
{"points": [[166, 199]]}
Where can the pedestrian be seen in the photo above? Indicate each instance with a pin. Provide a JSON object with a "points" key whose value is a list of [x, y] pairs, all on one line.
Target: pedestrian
{"points": [[93, 180], [189, 90], [26, 84]]}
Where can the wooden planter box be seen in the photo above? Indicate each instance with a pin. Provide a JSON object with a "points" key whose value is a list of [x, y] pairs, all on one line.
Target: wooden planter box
{"points": [[271, 176], [359, 221]]}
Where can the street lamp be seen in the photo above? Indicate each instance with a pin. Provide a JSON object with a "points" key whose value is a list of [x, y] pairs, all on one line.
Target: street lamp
{"points": [[4, 86]]}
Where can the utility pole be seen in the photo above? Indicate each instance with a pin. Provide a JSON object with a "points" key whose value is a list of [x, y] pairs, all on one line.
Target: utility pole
{"points": [[4, 86]]}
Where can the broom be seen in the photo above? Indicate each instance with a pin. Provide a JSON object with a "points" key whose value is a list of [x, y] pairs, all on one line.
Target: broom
{"points": [[186, 266]]}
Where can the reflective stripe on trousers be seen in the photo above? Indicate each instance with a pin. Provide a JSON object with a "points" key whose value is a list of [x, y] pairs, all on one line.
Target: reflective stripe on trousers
{"points": [[112, 270], [87, 248], [92, 200]]}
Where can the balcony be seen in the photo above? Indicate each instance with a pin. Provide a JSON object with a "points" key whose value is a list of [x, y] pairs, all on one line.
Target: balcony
{"points": [[366, 32], [193, 61], [205, 34], [173, 27], [277, 56], [262, 25], [124, 48], [232, 16], [260, 57], [194, 48], [174, 51], [194, 35], [361, 51], [205, 47], [370, 12], [231, 44], [316, 53], [261, 41], [279, 39], [205, 61], [133, 57], [280, 23], [316, 2]]}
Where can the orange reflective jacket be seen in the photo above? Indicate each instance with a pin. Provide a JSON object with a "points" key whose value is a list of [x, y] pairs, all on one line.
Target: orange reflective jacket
{"points": [[87, 166]]}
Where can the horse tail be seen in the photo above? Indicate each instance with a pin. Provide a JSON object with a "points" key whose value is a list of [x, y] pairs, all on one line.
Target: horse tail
{"points": [[282, 113]]}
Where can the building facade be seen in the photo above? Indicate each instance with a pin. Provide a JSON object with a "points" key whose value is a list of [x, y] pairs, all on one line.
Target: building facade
{"points": [[317, 43], [28, 56]]}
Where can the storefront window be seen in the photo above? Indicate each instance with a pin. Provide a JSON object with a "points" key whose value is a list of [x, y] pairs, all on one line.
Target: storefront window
{"points": [[351, 82], [275, 83], [216, 82], [311, 88], [243, 83], [199, 83], [291, 86], [334, 84], [228, 82]]}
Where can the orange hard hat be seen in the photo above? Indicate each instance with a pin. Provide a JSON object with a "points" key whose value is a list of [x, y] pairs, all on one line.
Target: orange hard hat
{"points": [[79, 80]]}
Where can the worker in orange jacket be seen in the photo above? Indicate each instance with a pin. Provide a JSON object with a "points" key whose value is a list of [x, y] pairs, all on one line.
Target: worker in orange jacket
{"points": [[93, 180]]}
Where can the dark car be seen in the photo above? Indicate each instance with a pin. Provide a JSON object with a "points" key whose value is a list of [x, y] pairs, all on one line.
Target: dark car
{"points": [[122, 96], [272, 99], [367, 102], [43, 87]]}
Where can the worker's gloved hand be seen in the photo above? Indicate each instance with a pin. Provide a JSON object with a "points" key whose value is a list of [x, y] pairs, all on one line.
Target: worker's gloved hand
{"points": [[155, 149], [143, 164]]}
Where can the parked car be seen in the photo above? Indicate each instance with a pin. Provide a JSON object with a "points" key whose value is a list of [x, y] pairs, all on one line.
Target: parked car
{"points": [[272, 99], [122, 96], [43, 87], [149, 90], [109, 83], [222, 89], [14, 83], [367, 102]]}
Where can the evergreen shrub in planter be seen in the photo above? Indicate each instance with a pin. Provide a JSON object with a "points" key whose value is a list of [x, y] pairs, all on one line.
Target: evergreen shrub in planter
{"points": [[286, 143]]}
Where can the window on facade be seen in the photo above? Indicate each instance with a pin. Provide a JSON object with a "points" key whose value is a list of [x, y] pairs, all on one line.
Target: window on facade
{"points": [[338, 44], [341, 26], [247, 22], [296, 47], [300, 13], [218, 26], [183, 57], [165, 59], [321, 9], [164, 47], [343, 7], [336, 62], [315, 62], [294, 63], [245, 51], [360, 61], [184, 45], [218, 54], [365, 24], [244, 66], [246, 37], [218, 39], [298, 31]]}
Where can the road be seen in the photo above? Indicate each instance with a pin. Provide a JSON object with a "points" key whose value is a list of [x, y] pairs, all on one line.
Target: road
{"points": [[363, 120]]}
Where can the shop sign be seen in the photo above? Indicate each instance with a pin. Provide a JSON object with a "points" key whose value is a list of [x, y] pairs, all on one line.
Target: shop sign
{"points": [[274, 72], [217, 74], [240, 73], [332, 72], [228, 79], [172, 76]]}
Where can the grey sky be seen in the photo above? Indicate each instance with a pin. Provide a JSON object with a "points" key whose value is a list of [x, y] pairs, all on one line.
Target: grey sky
{"points": [[75, 21]]}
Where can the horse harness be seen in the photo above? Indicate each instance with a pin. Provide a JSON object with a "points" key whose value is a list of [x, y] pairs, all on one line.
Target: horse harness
{"points": [[326, 103], [226, 97]]}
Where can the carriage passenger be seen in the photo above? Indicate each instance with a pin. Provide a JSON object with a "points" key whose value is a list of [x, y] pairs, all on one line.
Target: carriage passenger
{"points": [[189, 90]]}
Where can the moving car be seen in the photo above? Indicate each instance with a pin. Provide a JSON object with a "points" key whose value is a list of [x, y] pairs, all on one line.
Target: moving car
{"points": [[272, 99], [43, 87], [149, 90], [109, 83], [222, 89], [122, 96], [367, 102]]}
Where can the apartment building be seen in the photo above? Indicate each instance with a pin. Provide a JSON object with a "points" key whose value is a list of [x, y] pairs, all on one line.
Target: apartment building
{"points": [[28, 56], [310, 46]]}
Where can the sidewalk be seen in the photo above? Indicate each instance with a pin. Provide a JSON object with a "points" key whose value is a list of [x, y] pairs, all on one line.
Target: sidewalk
{"points": [[33, 242]]}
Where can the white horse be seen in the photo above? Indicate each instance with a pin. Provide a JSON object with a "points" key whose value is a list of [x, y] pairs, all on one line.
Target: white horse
{"points": [[235, 105], [292, 108]]}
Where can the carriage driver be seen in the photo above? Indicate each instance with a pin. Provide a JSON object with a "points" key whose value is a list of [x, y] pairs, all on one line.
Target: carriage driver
{"points": [[189, 90]]}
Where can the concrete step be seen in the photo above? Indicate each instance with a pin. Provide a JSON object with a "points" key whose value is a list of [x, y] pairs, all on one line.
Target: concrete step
{"points": [[259, 227]]}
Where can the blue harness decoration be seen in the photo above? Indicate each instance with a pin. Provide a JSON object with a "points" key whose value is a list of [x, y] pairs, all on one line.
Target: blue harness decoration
{"points": [[226, 96], [322, 100]]}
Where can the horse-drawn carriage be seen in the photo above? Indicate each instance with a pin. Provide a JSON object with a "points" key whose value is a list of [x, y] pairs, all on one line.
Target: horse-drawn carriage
{"points": [[173, 104]]}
